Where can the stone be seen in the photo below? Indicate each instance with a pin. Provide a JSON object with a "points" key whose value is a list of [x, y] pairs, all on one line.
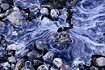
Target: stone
{"points": [[93, 68], [15, 17], [44, 11], [54, 13], [12, 59], [2, 15], [63, 68], [5, 65], [57, 62], [63, 38], [41, 45], [100, 61], [43, 67], [33, 54], [48, 55], [37, 62], [28, 66], [5, 6], [14, 47], [19, 64]]}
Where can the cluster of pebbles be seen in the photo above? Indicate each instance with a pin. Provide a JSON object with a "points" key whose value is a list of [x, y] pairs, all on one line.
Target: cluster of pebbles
{"points": [[18, 12]]}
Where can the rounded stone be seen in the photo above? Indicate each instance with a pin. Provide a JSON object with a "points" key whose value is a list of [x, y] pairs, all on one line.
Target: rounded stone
{"points": [[19, 64], [41, 45], [43, 67], [44, 11], [100, 61], [54, 13], [5, 6], [48, 55], [12, 59], [58, 62]]}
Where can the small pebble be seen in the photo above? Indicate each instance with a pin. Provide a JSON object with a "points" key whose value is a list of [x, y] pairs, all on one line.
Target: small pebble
{"points": [[100, 61], [41, 45], [5, 6], [93, 68], [43, 67], [12, 59], [44, 11], [19, 64], [48, 55], [58, 62], [54, 13]]}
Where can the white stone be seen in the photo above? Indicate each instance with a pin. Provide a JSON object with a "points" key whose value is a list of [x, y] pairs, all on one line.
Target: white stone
{"points": [[100, 61], [12, 59], [54, 13], [14, 47], [44, 11], [58, 62]]}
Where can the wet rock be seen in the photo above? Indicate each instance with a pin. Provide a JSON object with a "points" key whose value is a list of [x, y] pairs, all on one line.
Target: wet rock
{"points": [[14, 47], [93, 68], [100, 61], [48, 55], [28, 66], [41, 45], [5, 6], [66, 67], [58, 62], [12, 66], [37, 62], [43, 67], [63, 68], [1, 24], [63, 38], [44, 11], [19, 64], [54, 13], [5, 65], [2, 15], [33, 54], [12, 59], [8, 12], [16, 17], [78, 61]]}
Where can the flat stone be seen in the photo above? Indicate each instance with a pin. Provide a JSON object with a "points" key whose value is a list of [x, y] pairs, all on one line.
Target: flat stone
{"points": [[100, 61], [14, 47], [19, 64], [93, 68], [5, 6], [12, 59]]}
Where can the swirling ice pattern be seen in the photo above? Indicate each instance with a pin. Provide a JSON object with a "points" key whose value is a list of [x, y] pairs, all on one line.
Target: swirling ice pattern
{"points": [[88, 20], [87, 34]]}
